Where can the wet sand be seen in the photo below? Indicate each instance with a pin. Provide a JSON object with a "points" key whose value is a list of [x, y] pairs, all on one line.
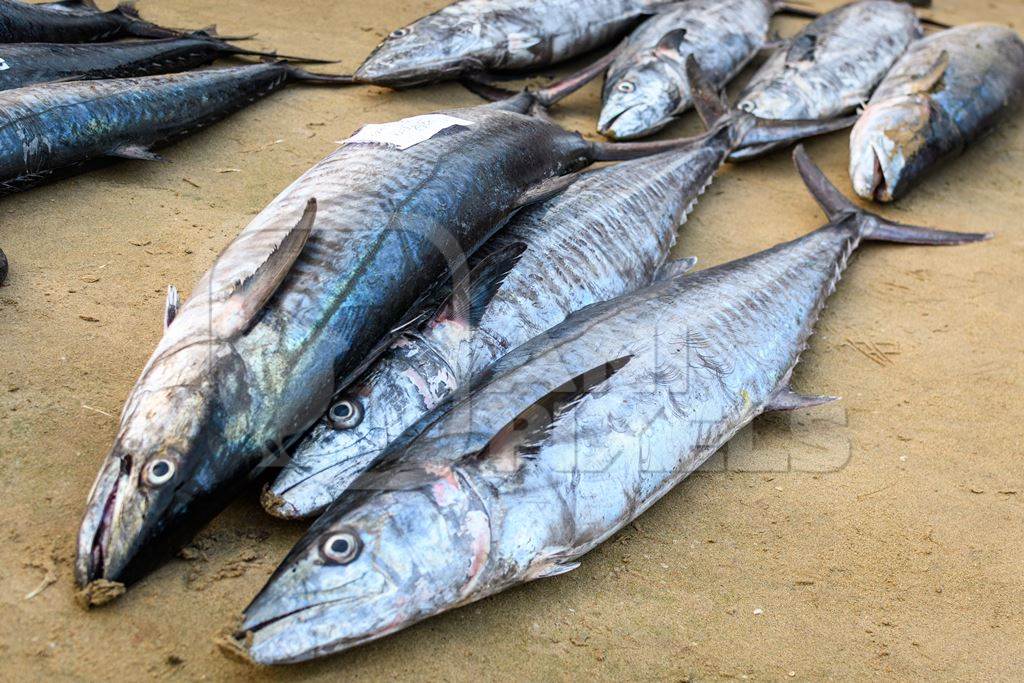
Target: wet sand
{"points": [[880, 536]]}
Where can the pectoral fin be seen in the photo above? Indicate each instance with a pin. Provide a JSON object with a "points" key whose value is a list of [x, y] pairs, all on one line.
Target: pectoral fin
{"points": [[546, 189], [787, 399], [136, 152], [473, 293], [556, 570], [676, 268], [172, 305], [926, 82]]}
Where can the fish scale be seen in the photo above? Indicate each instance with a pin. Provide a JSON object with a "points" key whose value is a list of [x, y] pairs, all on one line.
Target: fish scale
{"points": [[611, 231], [563, 442]]}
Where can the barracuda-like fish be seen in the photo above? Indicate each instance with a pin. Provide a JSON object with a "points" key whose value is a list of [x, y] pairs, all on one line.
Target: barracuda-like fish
{"points": [[23, 64], [613, 229], [948, 90], [568, 439], [72, 22], [57, 128], [647, 86], [300, 302], [832, 66], [480, 36]]}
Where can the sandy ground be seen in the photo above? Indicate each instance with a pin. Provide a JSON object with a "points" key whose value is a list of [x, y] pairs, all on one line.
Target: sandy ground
{"points": [[882, 536]]}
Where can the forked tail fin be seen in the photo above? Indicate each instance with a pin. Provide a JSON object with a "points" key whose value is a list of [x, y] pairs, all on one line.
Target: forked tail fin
{"points": [[873, 227]]}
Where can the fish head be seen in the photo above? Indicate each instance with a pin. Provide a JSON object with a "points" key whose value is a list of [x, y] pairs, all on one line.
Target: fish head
{"points": [[426, 51], [641, 100], [371, 565], [894, 142], [151, 490]]}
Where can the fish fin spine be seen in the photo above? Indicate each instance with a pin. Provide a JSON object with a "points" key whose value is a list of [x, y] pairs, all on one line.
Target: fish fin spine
{"points": [[785, 399]]}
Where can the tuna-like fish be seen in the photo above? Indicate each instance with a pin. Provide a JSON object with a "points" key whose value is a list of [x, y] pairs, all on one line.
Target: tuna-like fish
{"points": [[72, 22], [57, 128], [832, 66], [568, 439], [948, 90], [480, 36], [613, 229], [646, 85], [23, 64], [301, 301]]}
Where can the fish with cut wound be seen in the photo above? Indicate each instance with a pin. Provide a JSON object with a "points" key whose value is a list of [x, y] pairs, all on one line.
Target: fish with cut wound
{"points": [[566, 440], [76, 21], [23, 64], [948, 90], [613, 228], [56, 129]]}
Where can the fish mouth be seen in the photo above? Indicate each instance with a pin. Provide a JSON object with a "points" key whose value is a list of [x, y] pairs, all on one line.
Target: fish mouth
{"points": [[303, 498], [631, 123], [97, 532], [881, 189]]}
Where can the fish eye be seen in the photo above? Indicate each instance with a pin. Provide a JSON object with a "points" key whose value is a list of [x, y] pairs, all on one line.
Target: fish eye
{"points": [[159, 472], [626, 87], [345, 414], [341, 548], [400, 33]]}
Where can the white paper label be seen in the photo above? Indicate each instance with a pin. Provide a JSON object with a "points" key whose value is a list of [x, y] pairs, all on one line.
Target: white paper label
{"points": [[407, 132]]}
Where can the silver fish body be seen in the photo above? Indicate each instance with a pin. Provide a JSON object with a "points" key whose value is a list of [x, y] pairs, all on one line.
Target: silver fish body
{"points": [[832, 66], [251, 359], [606, 235], [471, 36], [646, 85], [948, 90], [567, 439]]}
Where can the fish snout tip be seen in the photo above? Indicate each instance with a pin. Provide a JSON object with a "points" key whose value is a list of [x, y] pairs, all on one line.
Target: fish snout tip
{"points": [[235, 643], [278, 506], [98, 592]]}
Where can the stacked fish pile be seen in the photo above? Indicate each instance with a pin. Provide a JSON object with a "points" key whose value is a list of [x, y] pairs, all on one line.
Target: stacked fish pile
{"points": [[474, 353]]}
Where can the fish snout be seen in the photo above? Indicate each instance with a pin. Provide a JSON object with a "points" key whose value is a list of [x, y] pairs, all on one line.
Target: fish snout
{"points": [[632, 122]]}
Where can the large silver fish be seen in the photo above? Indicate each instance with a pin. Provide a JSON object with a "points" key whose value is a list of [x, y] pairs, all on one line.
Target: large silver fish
{"points": [[948, 90], [646, 85], [832, 66], [299, 301], [567, 439], [612, 228], [479, 36]]}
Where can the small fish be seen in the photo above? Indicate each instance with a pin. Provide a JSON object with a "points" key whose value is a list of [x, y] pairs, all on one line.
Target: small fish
{"points": [[23, 64], [635, 206], [302, 301], [57, 128], [566, 440], [646, 85], [832, 66], [76, 21], [482, 36], [948, 90]]}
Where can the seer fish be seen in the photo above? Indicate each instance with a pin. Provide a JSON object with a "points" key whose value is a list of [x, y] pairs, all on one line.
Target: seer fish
{"points": [[614, 227], [475, 37], [832, 66], [23, 64], [948, 90], [568, 439], [72, 22], [310, 293], [57, 128]]}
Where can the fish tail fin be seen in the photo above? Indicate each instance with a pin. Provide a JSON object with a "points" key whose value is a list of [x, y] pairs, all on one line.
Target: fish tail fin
{"points": [[707, 100], [302, 76], [872, 226]]}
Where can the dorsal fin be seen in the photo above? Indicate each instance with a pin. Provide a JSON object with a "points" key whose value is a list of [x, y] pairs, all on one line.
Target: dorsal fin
{"points": [[527, 431], [473, 293], [252, 294], [670, 45], [926, 82], [172, 305]]}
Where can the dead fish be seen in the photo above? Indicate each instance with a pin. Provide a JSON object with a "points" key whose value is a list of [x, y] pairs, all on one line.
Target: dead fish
{"points": [[309, 294], [57, 128], [486, 36], [23, 64], [948, 90], [832, 66], [646, 85], [566, 440], [4, 267], [612, 229], [72, 22]]}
